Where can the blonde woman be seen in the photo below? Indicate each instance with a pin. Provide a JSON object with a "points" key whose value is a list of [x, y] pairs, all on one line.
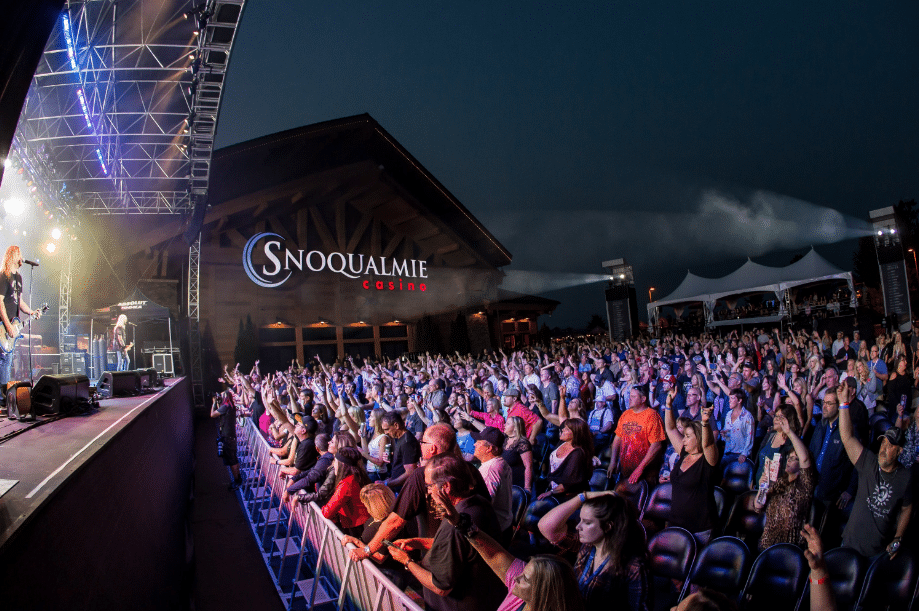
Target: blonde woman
{"points": [[120, 343], [13, 304]]}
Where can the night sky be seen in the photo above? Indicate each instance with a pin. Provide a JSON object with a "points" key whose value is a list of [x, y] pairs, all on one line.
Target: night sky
{"points": [[679, 135]]}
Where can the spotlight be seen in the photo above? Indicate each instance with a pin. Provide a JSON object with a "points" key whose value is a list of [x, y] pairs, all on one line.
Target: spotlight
{"points": [[50, 247], [7, 163], [893, 231], [14, 206], [880, 232], [56, 233]]}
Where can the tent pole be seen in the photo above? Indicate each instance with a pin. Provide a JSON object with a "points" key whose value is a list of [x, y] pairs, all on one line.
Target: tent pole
{"points": [[92, 350], [169, 324]]}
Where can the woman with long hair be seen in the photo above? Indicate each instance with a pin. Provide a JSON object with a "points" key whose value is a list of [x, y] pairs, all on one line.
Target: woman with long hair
{"points": [[518, 453], [570, 463], [777, 446], [612, 553], [899, 385], [375, 450], [694, 476], [789, 498], [345, 507]]}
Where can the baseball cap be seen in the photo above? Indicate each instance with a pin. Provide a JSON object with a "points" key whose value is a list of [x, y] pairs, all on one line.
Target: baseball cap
{"points": [[669, 379], [749, 364], [894, 435], [491, 435], [511, 392]]}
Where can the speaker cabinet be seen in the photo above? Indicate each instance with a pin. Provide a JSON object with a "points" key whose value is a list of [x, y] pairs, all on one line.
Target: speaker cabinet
{"points": [[148, 378], [54, 394], [119, 384]]}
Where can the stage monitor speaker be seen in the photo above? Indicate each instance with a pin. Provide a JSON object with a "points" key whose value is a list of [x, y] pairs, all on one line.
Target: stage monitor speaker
{"points": [[148, 378], [62, 393], [19, 401], [119, 384], [162, 362]]}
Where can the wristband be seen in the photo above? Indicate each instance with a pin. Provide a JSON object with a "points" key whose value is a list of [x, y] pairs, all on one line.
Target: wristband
{"points": [[583, 497], [820, 581], [844, 406]]}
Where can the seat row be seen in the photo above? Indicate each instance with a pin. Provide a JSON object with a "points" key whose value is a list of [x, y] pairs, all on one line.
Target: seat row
{"points": [[777, 578]]}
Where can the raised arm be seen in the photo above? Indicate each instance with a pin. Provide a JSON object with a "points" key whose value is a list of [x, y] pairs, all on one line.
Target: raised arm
{"points": [[676, 440], [853, 447], [709, 447]]}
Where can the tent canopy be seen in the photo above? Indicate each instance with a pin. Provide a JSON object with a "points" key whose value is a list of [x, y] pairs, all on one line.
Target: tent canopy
{"points": [[754, 278], [137, 307]]}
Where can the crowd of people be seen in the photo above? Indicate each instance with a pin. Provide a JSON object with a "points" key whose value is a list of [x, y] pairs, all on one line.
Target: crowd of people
{"points": [[424, 451]]}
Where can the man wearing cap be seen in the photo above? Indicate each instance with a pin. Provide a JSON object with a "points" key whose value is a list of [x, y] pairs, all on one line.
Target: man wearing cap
{"points": [[883, 501], [489, 445], [306, 454], [600, 420]]}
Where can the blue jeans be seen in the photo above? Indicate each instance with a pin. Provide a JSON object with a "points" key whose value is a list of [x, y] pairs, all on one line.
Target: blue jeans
{"points": [[124, 361], [6, 364]]}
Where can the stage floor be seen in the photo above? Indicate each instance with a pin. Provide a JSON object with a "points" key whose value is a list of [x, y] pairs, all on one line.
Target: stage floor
{"points": [[34, 464]]}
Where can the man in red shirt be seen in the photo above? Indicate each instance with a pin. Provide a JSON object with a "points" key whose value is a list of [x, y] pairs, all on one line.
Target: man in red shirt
{"points": [[639, 440], [511, 401]]}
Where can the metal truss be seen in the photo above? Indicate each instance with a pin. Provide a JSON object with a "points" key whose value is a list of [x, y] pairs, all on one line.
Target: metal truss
{"points": [[194, 320], [125, 102], [63, 325]]}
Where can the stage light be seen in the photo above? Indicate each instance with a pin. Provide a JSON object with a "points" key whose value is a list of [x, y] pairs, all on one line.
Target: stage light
{"points": [[56, 233], [893, 231], [50, 247], [7, 163], [14, 206], [880, 232]]}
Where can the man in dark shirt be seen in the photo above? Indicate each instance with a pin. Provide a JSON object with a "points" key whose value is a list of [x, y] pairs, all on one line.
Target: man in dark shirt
{"points": [[455, 577], [883, 501], [13, 303], [224, 409], [406, 450], [835, 486], [306, 454], [308, 480]]}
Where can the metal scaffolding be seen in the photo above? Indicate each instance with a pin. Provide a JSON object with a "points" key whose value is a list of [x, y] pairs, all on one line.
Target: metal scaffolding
{"points": [[122, 114]]}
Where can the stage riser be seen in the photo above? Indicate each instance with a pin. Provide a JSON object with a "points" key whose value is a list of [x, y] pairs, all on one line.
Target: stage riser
{"points": [[113, 536]]}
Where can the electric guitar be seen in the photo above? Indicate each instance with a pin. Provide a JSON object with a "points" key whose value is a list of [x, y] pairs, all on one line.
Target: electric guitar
{"points": [[8, 342]]}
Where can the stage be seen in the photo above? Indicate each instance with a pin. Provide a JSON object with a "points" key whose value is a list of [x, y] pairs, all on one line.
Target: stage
{"points": [[97, 516]]}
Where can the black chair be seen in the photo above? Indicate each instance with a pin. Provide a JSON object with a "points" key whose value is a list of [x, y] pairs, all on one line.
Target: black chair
{"points": [[671, 554], [721, 505], [722, 566], [599, 480], [777, 579], [635, 494], [657, 510], [889, 584], [875, 417], [738, 477], [520, 498], [846, 569], [743, 521]]}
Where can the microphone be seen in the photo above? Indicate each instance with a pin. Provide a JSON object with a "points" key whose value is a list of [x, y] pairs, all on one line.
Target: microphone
{"points": [[132, 324], [32, 263]]}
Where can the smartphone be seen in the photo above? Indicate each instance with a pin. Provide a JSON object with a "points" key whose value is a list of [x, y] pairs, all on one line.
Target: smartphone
{"points": [[388, 543]]}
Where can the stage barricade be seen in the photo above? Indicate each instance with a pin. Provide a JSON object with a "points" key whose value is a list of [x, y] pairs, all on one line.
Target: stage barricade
{"points": [[296, 558]]}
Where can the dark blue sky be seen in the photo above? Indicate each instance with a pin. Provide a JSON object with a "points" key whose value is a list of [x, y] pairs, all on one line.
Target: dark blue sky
{"points": [[677, 135]]}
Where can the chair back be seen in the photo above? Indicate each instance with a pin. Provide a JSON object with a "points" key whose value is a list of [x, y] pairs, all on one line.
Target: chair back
{"points": [[722, 565], [657, 510], [777, 579], [743, 521], [671, 554], [520, 498], [599, 480], [889, 583], [846, 569], [738, 477], [635, 494], [721, 506]]}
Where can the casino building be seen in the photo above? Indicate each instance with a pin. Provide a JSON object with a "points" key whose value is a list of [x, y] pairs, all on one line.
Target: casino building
{"points": [[334, 241]]}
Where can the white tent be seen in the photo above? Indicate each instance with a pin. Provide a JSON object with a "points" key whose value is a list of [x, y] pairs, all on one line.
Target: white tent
{"points": [[752, 278]]}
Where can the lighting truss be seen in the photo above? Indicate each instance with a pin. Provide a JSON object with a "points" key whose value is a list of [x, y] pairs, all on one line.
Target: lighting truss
{"points": [[125, 100]]}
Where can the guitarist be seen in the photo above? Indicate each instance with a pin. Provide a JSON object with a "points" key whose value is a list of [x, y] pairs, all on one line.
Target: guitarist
{"points": [[120, 343], [13, 304]]}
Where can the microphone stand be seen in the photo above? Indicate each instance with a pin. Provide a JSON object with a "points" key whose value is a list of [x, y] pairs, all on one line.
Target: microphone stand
{"points": [[31, 283]]}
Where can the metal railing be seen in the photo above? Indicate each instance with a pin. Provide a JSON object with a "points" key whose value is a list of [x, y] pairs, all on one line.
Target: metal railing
{"points": [[308, 562]]}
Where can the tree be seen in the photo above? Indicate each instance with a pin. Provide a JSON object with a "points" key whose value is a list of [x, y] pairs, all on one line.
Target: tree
{"points": [[596, 322], [865, 258]]}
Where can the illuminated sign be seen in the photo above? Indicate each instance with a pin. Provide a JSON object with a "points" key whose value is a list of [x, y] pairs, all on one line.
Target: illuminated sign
{"points": [[283, 262]]}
